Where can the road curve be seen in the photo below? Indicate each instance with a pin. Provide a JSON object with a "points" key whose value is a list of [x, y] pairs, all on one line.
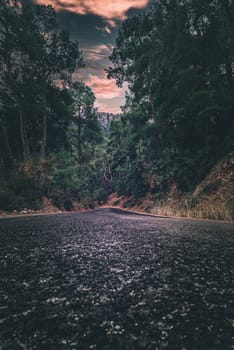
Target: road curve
{"points": [[114, 280]]}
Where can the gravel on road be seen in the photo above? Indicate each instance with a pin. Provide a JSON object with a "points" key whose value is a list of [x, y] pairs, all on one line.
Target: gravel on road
{"points": [[114, 280]]}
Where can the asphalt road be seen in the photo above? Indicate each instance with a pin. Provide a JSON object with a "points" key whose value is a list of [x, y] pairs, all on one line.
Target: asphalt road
{"points": [[109, 279]]}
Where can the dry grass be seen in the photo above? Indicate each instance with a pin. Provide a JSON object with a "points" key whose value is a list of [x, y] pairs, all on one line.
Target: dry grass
{"points": [[205, 210], [212, 199], [186, 206]]}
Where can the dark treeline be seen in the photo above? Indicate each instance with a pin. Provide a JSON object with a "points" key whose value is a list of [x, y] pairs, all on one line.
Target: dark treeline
{"points": [[178, 121], [178, 61], [48, 124]]}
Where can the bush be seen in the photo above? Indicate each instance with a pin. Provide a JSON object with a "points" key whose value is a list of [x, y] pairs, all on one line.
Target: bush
{"points": [[58, 199], [68, 205], [100, 195], [230, 207], [87, 203], [9, 201]]}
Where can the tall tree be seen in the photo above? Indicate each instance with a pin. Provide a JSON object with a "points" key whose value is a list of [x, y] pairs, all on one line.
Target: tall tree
{"points": [[85, 118], [178, 61], [36, 56]]}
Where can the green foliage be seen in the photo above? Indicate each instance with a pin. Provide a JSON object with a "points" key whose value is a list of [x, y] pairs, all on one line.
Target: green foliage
{"points": [[48, 125], [178, 119], [10, 201], [64, 172], [178, 61], [36, 58], [19, 196]]}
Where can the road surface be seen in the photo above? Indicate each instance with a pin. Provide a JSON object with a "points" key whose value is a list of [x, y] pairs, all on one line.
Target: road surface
{"points": [[113, 280]]}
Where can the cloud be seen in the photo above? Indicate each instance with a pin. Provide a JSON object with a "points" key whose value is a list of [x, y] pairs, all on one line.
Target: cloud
{"points": [[109, 97], [110, 11], [104, 88], [97, 52], [105, 30]]}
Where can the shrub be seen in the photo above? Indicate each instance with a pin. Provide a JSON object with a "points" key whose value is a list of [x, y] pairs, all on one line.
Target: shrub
{"points": [[9, 201]]}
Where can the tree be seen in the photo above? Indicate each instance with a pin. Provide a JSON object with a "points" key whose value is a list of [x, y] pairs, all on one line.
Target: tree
{"points": [[37, 60], [36, 57], [85, 119], [180, 105]]}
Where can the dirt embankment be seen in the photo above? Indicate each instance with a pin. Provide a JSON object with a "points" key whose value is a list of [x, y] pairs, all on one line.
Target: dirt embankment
{"points": [[213, 198]]}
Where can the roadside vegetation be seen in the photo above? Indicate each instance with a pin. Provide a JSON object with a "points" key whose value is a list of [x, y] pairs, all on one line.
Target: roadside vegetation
{"points": [[171, 150], [48, 124]]}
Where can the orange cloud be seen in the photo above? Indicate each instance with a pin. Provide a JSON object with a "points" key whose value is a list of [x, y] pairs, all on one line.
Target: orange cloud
{"points": [[109, 97], [104, 88], [110, 11]]}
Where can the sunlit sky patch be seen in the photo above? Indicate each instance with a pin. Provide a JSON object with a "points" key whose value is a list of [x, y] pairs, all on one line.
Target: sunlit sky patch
{"points": [[94, 23]]}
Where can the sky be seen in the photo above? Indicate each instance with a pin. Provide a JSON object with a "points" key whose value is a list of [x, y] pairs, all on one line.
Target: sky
{"points": [[94, 23]]}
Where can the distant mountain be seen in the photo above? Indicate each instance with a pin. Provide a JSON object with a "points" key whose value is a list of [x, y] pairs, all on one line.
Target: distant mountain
{"points": [[105, 119]]}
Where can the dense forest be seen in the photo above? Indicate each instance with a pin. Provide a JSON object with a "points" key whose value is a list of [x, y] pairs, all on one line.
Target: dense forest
{"points": [[177, 123], [49, 127]]}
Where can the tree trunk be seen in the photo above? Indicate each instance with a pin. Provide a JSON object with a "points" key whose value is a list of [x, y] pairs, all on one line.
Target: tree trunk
{"points": [[7, 158], [44, 136], [79, 139], [152, 106], [23, 136], [229, 72], [7, 145]]}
